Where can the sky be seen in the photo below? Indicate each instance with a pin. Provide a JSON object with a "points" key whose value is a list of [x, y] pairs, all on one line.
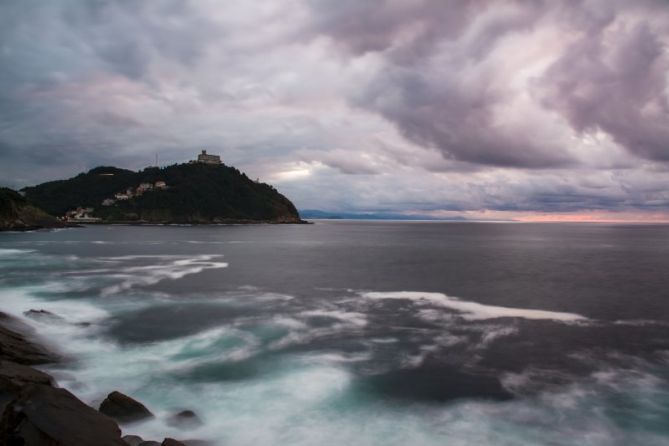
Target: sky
{"points": [[528, 110]]}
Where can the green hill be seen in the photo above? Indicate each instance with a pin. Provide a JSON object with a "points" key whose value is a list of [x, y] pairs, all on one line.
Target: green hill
{"points": [[17, 214], [195, 193]]}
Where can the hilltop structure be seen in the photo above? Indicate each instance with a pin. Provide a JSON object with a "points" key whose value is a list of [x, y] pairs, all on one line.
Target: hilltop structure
{"points": [[205, 158]]}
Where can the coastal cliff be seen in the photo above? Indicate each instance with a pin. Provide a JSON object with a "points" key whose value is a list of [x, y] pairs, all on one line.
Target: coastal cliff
{"points": [[191, 193], [34, 411], [16, 214]]}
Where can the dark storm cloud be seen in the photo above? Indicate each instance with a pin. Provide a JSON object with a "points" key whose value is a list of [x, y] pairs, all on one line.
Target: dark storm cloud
{"points": [[388, 104], [612, 78], [128, 36], [70, 72], [619, 86], [459, 121]]}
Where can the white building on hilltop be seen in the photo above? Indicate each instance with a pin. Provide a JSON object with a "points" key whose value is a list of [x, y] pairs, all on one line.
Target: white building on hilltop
{"points": [[208, 159]]}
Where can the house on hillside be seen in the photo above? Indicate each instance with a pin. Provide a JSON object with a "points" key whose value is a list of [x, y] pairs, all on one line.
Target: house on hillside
{"points": [[81, 215], [144, 187]]}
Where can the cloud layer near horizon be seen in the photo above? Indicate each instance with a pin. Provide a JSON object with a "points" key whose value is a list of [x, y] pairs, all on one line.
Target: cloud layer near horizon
{"points": [[398, 105]]}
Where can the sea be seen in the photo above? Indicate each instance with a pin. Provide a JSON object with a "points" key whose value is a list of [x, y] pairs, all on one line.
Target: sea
{"points": [[359, 332]]}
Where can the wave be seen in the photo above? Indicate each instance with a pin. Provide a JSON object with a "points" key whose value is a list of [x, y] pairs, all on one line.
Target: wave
{"points": [[473, 310], [311, 397], [145, 275], [14, 252], [346, 317], [287, 373]]}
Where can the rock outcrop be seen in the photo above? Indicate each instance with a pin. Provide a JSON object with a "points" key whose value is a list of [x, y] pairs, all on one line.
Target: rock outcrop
{"points": [[133, 440], [44, 415], [16, 214], [15, 345], [43, 315], [124, 409], [172, 442], [33, 412], [14, 377]]}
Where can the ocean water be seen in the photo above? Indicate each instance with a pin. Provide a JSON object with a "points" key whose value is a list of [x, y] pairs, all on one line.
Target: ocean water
{"points": [[360, 333]]}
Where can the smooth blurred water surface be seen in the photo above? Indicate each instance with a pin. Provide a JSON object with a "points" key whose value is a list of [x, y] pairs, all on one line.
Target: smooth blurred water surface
{"points": [[371, 333]]}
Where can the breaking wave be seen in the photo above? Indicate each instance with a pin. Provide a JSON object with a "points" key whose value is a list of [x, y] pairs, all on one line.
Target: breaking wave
{"points": [[474, 310]]}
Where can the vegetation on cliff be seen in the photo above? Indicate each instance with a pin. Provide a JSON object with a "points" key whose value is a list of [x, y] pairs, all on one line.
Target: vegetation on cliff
{"points": [[17, 214], [194, 193]]}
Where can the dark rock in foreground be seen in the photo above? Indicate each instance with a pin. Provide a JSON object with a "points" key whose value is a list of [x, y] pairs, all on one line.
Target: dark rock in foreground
{"points": [[34, 413], [123, 408], [133, 440], [171, 442], [43, 315], [13, 377], [191, 442], [16, 347], [43, 415]]}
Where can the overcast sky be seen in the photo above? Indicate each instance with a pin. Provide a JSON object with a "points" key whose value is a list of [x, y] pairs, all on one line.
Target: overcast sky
{"points": [[479, 108]]}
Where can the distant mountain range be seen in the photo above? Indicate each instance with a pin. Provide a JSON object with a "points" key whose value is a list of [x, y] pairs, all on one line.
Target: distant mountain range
{"points": [[181, 193], [319, 214]]}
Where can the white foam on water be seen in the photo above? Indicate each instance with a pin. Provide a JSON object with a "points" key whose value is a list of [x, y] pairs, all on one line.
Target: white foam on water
{"points": [[474, 310], [336, 358], [640, 322], [438, 343], [17, 301], [209, 242], [436, 316], [311, 405], [346, 317], [309, 399], [384, 340], [492, 333], [273, 296], [289, 322], [175, 268], [14, 252]]}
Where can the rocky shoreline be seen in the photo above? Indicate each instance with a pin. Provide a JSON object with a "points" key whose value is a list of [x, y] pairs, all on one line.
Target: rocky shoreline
{"points": [[217, 222], [34, 411], [22, 228], [16, 214]]}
